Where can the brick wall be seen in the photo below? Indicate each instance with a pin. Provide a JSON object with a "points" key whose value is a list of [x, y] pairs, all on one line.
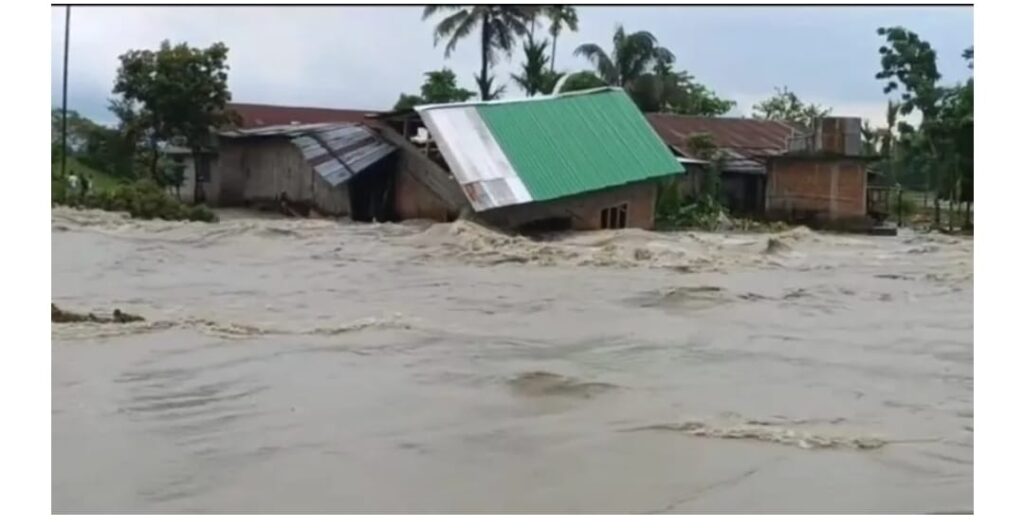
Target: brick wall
{"points": [[818, 188]]}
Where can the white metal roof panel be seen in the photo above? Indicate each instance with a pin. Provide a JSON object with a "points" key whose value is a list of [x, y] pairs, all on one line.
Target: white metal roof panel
{"points": [[479, 164]]}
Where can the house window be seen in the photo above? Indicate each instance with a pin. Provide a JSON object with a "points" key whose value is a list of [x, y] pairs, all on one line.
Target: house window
{"points": [[614, 217]]}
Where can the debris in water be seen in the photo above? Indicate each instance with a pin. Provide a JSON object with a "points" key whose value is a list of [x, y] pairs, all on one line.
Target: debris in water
{"points": [[776, 435], [62, 316], [893, 276], [776, 246], [541, 383]]}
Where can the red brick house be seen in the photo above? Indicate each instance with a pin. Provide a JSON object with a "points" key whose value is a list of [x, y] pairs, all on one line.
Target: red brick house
{"points": [[776, 169]]}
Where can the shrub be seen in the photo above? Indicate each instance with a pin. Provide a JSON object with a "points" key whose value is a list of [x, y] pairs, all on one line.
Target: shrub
{"points": [[201, 213], [58, 189], [143, 199]]}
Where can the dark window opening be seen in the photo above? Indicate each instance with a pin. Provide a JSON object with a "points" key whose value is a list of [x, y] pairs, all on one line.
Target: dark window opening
{"points": [[614, 217]]}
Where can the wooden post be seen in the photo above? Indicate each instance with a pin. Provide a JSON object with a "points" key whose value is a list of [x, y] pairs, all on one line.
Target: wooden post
{"points": [[899, 207]]}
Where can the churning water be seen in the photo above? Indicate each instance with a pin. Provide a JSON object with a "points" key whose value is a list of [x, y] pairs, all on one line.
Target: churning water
{"points": [[311, 366]]}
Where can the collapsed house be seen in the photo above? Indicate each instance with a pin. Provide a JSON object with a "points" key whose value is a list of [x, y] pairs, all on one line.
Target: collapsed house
{"points": [[337, 169], [580, 160], [776, 170]]}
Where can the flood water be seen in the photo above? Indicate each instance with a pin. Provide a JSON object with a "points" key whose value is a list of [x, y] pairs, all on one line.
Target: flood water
{"points": [[312, 366]]}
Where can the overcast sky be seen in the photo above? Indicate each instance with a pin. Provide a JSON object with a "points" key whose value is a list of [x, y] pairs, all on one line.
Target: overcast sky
{"points": [[363, 57]]}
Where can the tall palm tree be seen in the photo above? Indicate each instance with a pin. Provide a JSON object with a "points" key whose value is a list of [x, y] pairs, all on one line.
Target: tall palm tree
{"points": [[500, 25], [536, 78], [631, 56], [560, 16]]}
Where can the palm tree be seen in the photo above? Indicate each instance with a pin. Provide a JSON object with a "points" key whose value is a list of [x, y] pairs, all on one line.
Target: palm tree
{"points": [[888, 145], [536, 77], [560, 16], [500, 25], [632, 55]]}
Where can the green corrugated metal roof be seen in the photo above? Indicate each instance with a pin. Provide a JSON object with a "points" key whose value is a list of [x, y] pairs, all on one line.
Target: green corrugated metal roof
{"points": [[577, 143]]}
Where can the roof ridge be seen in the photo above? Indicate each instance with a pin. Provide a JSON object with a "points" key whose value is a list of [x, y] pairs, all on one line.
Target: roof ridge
{"points": [[723, 118], [496, 102], [291, 107]]}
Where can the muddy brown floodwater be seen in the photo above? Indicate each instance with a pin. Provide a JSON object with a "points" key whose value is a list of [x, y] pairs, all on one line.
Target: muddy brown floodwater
{"points": [[312, 366]]}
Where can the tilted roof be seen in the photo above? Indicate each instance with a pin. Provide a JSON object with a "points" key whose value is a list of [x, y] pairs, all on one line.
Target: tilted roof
{"points": [[336, 151], [524, 150]]}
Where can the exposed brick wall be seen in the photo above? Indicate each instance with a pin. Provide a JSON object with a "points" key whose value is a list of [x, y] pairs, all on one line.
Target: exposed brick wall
{"points": [[825, 189], [584, 211]]}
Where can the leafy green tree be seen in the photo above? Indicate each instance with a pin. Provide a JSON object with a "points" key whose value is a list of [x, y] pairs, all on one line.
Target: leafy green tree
{"points": [[175, 92], [786, 106], [908, 65], [560, 16], [678, 93], [440, 87], [500, 26], [692, 98], [585, 80], [94, 145], [631, 55]]}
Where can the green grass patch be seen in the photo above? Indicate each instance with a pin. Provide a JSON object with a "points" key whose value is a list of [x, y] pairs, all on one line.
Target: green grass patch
{"points": [[100, 180]]}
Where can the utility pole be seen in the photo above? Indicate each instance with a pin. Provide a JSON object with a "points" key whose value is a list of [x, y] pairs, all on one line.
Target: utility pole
{"points": [[64, 106]]}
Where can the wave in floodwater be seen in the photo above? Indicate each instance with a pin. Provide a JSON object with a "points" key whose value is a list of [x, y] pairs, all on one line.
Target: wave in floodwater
{"points": [[324, 366], [767, 432], [85, 330]]}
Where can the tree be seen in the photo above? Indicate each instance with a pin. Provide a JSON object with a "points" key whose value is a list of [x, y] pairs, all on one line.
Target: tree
{"points": [[536, 78], [440, 87], [786, 106], [96, 146], [869, 139], [500, 25], [888, 139], [908, 65], [678, 93], [909, 61], [77, 127], [692, 98], [560, 16], [582, 81], [631, 56], [176, 92]]}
